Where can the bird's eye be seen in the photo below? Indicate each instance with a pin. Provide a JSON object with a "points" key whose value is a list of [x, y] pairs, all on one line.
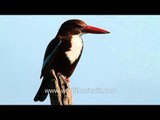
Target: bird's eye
{"points": [[79, 26]]}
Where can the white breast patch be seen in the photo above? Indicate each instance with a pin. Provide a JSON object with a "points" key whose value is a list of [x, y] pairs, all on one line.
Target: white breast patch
{"points": [[75, 49]]}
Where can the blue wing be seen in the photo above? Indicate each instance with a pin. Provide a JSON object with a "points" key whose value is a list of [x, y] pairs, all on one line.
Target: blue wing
{"points": [[50, 52]]}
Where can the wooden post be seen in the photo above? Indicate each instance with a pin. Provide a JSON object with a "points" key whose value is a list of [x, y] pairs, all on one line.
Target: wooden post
{"points": [[61, 93]]}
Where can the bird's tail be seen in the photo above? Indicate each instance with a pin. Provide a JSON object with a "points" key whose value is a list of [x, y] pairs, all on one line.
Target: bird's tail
{"points": [[42, 94]]}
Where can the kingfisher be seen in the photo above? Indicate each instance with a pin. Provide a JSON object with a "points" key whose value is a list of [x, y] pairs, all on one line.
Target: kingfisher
{"points": [[64, 52]]}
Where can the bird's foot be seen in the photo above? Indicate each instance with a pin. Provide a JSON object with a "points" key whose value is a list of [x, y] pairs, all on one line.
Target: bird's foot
{"points": [[67, 80]]}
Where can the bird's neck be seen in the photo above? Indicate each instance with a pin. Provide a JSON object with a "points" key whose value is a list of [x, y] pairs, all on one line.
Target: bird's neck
{"points": [[75, 49]]}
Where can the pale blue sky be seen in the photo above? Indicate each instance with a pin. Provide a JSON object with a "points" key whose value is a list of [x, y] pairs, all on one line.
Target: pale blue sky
{"points": [[125, 63]]}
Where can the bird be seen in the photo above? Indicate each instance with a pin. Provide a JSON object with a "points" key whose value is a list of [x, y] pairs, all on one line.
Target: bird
{"points": [[64, 52]]}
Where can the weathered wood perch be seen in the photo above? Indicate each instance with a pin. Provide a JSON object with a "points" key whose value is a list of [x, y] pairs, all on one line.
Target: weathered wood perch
{"points": [[61, 93]]}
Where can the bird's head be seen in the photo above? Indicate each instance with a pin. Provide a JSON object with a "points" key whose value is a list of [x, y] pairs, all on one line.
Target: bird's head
{"points": [[76, 26]]}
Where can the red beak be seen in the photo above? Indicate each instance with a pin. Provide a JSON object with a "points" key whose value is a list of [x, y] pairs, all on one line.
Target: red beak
{"points": [[94, 30]]}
